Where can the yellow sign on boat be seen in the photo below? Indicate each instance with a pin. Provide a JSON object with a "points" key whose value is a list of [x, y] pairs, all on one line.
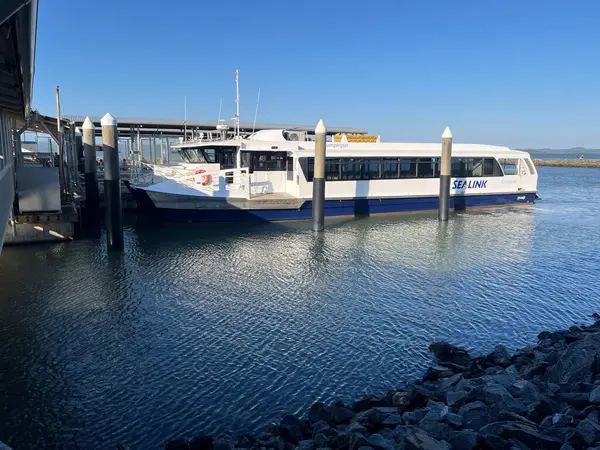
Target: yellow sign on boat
{"points": [[354, 138]]}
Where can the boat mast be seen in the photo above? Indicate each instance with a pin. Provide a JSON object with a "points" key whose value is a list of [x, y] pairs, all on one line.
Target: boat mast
{"points": [[237, 104], [184, 119], [256, 110]]}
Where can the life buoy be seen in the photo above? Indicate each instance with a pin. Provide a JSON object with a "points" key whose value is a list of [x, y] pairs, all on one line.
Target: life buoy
{"points": [[205, 179]]}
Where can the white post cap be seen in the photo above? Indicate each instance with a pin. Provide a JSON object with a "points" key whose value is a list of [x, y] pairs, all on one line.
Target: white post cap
{"points": [[87, 124], [447, 133], [108, 120], [320, 129], [77, 131]]}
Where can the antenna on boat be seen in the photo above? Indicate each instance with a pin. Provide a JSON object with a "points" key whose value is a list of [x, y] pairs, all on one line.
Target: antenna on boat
{"points": [[237, 103], [220, 105], [184, 119], [256, 110]]}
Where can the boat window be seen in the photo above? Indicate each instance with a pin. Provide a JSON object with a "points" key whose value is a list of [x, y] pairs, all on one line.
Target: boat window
{"points": [[408, 167], [371, 169], [459, 167], [210, 155], [192, 155], [351, 169], [390, 168], [428, 168], [267, 161], [530, 166], [475, 168], [333, 167], [290, 168], [491, 168], [509, 165]]}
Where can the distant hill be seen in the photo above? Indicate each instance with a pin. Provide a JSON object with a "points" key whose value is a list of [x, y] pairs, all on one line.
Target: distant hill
{"points": [[574, 150]]}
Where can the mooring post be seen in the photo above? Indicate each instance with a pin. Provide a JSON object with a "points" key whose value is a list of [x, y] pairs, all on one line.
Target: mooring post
{"points": [[92, 197], [445, 172], [318, 202], [112, 183]]}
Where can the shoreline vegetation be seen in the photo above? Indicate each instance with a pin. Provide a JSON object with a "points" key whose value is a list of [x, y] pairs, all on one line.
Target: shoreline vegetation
{"points": [[564, 162], [544, 396]]}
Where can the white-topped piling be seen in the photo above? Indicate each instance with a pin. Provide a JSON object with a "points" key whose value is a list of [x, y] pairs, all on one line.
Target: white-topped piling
{"points": [[318, 201], [112, 183], [445, 173], [92, 197]]}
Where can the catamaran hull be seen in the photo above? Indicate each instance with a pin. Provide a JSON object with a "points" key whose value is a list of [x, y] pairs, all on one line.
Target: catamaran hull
{"points": [[221, 211]]}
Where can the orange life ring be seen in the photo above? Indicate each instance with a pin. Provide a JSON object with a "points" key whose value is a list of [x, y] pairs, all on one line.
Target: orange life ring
{"points": [[204, 179]]}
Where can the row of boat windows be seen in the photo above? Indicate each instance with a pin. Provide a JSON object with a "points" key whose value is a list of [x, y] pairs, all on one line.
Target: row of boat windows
{"points": [[393, 168]]}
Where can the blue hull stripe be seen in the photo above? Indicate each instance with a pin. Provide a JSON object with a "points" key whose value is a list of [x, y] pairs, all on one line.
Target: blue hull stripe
{"points": [[352, 207]]}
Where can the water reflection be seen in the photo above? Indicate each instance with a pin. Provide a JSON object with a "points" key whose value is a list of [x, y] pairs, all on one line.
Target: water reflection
{"points": [[220, 328]]}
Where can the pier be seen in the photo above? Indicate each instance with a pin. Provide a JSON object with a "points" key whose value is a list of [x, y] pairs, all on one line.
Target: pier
{"points": [[564, 162]]}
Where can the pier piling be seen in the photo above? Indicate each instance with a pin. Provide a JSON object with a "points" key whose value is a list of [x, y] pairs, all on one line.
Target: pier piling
{"points": [[92, 197], [318, 201], [445, 172], [112, 183]]}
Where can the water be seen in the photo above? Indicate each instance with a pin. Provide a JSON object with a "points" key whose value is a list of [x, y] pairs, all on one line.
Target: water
{"points": [[566, 155], [215, 329]]}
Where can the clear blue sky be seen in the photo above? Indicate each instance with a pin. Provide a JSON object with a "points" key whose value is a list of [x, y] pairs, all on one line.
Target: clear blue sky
{"points": [[509, 72]]}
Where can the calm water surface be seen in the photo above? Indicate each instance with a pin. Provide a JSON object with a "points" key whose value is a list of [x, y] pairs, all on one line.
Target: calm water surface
{"points": [[221, 329]]}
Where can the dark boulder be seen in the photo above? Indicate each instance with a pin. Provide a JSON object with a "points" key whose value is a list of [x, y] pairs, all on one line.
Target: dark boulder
{"points": [[498, 396], [340, 414], [306, 444], [319, 411], [454, 420], [525, 390], [206, 442], [578, 400], [437, 411], [509, 416], [177, 444], [492, 442], [463, 440], [500, 356], [539, 410], [577, 362], [417, 439], [222, 444], [445, 353], [456, 398], [437, 430], [531, 438], [595, 395], [588, 431], [392, 421], [291, 429], [377, 441]]}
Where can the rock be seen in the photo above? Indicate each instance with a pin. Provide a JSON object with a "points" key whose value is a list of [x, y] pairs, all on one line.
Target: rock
{"points": [[437, 430], [446, 353], [206, 442], [471, 406], [508, 416], [537, 369], [319, 411], [320, 440], [498, 395], [588, 431], [371, 419], [435, 373], [412, 417], [579, 400], [567, 446], [449, 382], [595, 395], [356, 427], [401, 399], [291, 429], [454, 420], [340, 414], [222, 444], [419, 440], [400, 432], [576, 363], [525, 390], [320, 427], [177, 444], [349, 440], [539, 410], [244, 441], [500, 356], [437, 411], [306, 444], [463, 440], [492, 442], [456, 398], [392, 420], [530, 437], [379, 442]]}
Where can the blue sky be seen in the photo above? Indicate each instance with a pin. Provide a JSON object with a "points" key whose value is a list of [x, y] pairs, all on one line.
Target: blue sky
{"points": [[517, 73]]}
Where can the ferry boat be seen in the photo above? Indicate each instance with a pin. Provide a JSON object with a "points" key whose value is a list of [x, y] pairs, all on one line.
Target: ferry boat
{"points": [[267, 176]]}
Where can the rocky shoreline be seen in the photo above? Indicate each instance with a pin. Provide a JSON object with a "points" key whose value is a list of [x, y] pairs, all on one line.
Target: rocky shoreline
{"points": [[564, 162], [545, 396]]}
